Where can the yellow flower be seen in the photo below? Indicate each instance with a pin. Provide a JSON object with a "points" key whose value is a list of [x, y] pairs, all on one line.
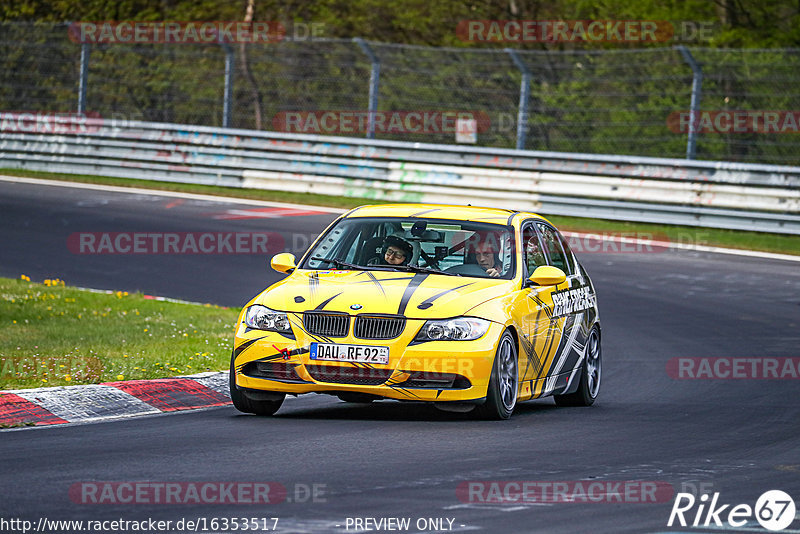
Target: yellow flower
{"points": [[120, 377], [26, 278], [67, 378], [185, 334], [145, 329]]}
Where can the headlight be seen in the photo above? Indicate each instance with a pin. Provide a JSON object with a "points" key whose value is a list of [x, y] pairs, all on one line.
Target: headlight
{"points": [[458, 329], [263, 318]]}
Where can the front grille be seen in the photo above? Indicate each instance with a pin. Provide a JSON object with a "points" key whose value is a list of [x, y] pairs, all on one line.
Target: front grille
{"points": [[362, 376], [326, 324], [273, 370], [378, 327]]}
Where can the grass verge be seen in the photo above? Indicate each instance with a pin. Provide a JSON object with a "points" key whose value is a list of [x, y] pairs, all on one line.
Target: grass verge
{"points": [[53, 335], [779, 243]]}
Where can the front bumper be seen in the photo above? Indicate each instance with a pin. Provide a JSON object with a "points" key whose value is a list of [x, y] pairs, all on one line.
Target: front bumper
{"points": [[440, 371]]}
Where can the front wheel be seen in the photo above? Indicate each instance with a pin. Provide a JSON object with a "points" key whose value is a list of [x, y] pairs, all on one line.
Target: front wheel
{"points": [[501, 395], [268, 405], [589, 385]]}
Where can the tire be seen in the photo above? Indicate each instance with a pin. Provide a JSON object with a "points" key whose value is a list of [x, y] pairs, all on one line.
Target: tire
{"points": [[589, 385], [501, 395], [248, 404]]}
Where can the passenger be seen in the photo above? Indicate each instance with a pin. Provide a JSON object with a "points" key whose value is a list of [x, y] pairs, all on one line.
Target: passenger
{"points": [[396, 251], [533, 254]]}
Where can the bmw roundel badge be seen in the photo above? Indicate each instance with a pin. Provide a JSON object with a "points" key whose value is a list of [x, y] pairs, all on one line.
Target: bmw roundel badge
{"points": [[356, 306]]}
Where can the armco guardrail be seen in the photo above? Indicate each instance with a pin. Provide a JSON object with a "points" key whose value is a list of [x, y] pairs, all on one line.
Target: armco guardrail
{"points": [[710, 194]]}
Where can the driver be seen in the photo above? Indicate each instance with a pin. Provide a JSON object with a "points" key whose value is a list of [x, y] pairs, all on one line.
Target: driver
{"points": [[486, 257]]}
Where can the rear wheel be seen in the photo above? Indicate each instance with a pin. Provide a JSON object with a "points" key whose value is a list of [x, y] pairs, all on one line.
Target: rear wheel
{"points": [[589, 386], [501, 395], [257, 402]]}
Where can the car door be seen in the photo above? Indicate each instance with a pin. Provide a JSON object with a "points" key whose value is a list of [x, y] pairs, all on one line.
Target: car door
{"points": [[568, 304], [540, 334]]}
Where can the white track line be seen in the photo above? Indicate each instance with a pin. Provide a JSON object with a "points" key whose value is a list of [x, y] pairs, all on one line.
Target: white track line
{"points": [[234, 200], [159, 193]]}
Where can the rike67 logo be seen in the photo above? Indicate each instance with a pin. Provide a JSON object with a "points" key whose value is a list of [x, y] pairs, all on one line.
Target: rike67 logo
{"points": [[774, 510]]}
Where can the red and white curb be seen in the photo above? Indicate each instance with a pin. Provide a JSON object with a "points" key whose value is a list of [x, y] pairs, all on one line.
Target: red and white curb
{"points": [[112, 400]]}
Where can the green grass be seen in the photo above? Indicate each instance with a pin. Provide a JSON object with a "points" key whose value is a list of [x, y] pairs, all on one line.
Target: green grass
{"points": [[780, 243], [53, 335]]}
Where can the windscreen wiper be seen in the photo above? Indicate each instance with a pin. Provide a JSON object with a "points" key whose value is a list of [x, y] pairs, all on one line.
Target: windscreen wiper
{"points": [[418, 269], [339, 263]]}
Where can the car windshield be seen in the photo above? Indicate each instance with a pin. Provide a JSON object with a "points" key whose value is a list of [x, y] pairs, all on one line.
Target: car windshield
{"points": [[438, 246]]}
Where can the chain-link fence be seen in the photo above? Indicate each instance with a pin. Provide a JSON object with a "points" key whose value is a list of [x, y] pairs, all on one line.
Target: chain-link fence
{"points": [[609, 101]]}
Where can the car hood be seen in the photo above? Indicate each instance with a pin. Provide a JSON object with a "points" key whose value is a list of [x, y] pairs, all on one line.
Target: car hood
{"points": [[415, 295]]}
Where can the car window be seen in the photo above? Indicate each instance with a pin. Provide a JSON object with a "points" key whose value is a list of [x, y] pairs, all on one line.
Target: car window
{"points": [[532, 249], [568, 252], [552, 245], [458, 247]]}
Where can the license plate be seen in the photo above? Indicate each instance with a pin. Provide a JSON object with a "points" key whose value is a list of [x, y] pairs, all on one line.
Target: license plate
{"points": [[349, 353]]}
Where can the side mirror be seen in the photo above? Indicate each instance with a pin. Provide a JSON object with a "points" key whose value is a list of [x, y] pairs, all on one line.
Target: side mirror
{"points": [[283, 262], [546, 275]]}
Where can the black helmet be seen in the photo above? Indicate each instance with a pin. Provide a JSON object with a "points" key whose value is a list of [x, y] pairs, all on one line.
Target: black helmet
{"points": [[400, 243]]}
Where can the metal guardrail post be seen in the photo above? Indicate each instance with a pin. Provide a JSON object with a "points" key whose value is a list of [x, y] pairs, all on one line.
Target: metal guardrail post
{"points": [[84, 74], [374, 78], [524, 92], [228, 90], [694, 106]]}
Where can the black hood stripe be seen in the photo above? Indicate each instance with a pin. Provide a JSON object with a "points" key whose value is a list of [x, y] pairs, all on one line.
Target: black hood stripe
{"points": [[410, 288], [382, 279], [244, 346], [428, 302], [375, 281], [326, 302]]}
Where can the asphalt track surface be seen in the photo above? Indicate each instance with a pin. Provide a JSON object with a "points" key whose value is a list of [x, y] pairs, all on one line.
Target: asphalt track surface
{"points": [[736, 437]]}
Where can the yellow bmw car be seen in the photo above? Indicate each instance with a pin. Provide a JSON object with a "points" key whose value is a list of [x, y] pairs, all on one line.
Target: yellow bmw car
{"points": [[472, 309]]}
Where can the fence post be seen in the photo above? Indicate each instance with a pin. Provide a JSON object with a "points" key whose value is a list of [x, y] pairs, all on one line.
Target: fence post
{"points": [[524, 92], [694, 106], [374, 77], [84, 74], [227, 95]]}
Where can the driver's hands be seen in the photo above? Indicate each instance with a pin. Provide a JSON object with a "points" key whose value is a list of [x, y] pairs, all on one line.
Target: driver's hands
{"points": [[493, 272]]}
